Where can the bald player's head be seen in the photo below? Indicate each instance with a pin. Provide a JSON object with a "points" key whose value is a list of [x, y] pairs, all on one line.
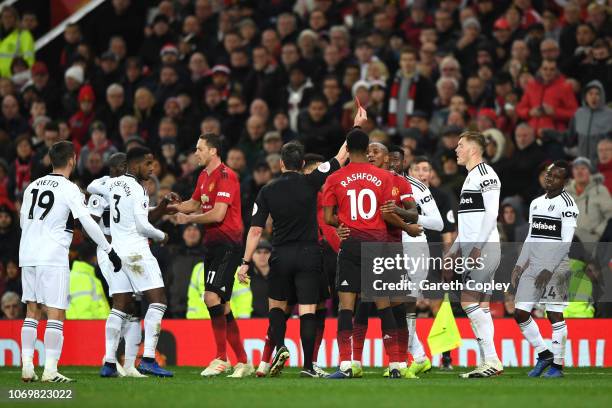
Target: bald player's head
{"points": [[117, 164]]}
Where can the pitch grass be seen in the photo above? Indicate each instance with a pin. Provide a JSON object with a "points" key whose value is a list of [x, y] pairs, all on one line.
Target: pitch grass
{"points": [[580, 388]]}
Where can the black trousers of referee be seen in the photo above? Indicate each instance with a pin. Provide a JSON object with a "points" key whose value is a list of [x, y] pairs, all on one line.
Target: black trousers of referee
{"points": [[295, 272]]}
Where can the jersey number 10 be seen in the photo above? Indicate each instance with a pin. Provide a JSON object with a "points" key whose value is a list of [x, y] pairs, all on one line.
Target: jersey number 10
{"points": [[357, 205]]}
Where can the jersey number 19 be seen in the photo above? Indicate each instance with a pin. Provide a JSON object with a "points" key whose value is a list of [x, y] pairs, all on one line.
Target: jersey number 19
{"points": [[45, 201]]}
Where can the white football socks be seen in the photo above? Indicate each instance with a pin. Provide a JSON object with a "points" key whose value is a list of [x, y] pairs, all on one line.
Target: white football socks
{"points": [[559, 338], [152, 328], [483, 330], [29, 332], [414, 344], [113, 334], [132, 334], [54, 339], [531, 332]]}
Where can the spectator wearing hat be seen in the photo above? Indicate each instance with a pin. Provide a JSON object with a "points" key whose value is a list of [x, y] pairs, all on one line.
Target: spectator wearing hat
{"points": [[591, 123], [112, 111], [45, 89], [82, 119], [105, 74], [221, 79], [486, 119], [592, 198], [73, 79], [604, 161], [410, 91], [98, 142], [250, 186], [466, 48], [361, 91], [502, 38], [272, 143], [318, 131], [160, 35]]}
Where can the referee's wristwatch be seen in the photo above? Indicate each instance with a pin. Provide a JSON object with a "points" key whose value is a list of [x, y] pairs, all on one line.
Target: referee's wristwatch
{"points": [[245, 262]]}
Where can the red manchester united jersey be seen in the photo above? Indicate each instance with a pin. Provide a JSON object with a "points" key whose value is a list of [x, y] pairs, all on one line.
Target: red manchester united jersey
{"points": [[403, 193], [220, 186], [358, 190]]}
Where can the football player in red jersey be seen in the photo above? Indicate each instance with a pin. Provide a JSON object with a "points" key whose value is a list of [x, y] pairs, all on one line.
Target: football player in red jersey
{"points": [[358, 190], [217, 195]]}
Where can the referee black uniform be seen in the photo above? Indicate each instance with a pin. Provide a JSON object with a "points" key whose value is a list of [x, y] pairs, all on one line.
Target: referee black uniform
{"points": [[295, 263], [296, 259]]}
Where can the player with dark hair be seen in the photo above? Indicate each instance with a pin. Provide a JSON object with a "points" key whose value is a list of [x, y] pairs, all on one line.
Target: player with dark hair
{"points": [[296, 261], [542, 272], [217, 195], [358, 190], [378, 155], [50, 206], [130, 231]]}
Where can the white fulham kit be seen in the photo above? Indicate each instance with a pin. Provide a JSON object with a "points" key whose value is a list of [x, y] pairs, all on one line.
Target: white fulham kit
{"points": [[477, 223], [99, 206], [50, 206], [130, 231], [552, 222]]}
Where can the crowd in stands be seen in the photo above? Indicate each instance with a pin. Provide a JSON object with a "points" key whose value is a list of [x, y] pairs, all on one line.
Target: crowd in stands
{"points": [[532, 75]]}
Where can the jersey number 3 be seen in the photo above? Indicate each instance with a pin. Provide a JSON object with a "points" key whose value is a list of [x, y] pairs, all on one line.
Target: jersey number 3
{"points": [[45, 201], [117, 218], [357, 207]]}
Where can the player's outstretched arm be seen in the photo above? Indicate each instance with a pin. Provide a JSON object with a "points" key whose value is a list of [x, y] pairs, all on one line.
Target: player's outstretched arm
{"points": [[185, 207], [216, 215], [408, 215], [164, 207]]}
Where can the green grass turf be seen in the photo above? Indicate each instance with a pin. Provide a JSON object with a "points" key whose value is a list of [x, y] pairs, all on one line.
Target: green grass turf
{"points": [[580, 388]]}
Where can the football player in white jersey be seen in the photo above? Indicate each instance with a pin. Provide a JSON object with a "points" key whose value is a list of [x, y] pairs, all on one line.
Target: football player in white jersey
{"points": [[542, 270], [478, 245], [130, 231], [50, 206], [431, 219], [118, 284]]}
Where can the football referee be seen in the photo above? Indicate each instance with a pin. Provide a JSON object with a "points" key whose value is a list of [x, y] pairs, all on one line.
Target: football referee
{"points": [[296, 260]]}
